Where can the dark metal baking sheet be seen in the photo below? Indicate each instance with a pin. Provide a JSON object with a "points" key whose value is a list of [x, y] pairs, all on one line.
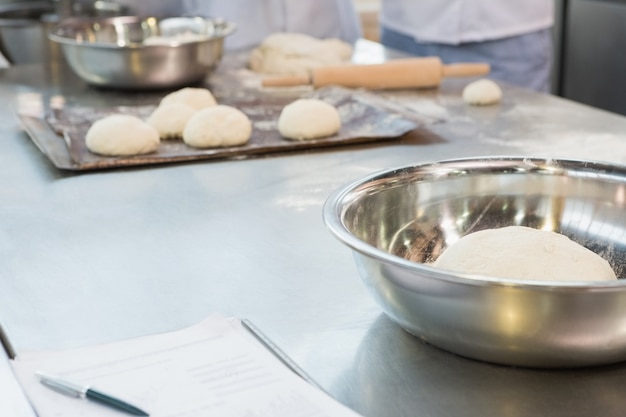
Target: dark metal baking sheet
{"points": [[60, 135]]}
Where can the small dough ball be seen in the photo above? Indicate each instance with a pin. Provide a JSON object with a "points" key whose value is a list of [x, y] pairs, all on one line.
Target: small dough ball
{"points": [[482, 92], [169, 119], [518, 252], [217, 126], [296, 53], [121, 135], [308, 119], [198, 98]]}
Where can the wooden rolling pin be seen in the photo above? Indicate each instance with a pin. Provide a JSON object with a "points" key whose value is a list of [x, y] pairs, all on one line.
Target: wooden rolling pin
{"points": [[401, 73]]}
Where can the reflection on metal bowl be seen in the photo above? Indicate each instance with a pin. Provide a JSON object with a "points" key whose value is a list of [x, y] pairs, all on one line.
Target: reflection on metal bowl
{"points": [[142, 52], [400, 220]]}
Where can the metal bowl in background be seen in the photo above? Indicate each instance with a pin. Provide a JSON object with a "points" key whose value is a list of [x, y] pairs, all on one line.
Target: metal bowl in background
{"points": [[398, 221], [134, 52], [23, 30]]}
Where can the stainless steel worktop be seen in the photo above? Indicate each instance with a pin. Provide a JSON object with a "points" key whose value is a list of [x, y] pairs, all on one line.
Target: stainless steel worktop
{"points": [[108, 255]]}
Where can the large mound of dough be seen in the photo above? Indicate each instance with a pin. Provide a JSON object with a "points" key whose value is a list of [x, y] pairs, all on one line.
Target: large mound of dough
{"points": [[170, 119], [121, 135], [308, 119], [518, 252], [217, 126], [296, 53], [198, 98]]}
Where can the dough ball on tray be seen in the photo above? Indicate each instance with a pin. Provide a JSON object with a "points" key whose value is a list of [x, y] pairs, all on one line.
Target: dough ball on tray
{"points": [[121, 135], [170, 119], [198, 98], [308, 119], [518, 252], [217, 126]]}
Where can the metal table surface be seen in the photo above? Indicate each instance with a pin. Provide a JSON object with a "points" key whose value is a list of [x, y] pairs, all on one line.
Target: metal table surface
{"points": [[108, 255]]}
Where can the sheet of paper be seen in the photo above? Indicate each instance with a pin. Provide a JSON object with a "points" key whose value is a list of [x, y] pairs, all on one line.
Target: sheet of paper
{"points": [[13, 401], [214, 368]]}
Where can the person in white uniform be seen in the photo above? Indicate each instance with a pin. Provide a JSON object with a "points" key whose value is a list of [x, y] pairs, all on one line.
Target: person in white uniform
{"points": [[514, 36], [255, 19]]}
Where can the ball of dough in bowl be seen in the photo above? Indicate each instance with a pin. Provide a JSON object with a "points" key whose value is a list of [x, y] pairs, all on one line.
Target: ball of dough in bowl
{"points": [[308, 119], [170, 119], [121, 135], [198, 98], [217, 126], [525, 253], [482, 92]]}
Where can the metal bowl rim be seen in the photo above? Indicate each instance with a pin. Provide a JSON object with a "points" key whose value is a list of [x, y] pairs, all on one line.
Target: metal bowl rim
{"points": [[229, 28], [333, 220]]}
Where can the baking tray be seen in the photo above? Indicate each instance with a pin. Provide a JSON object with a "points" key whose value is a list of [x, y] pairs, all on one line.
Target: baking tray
{"points": [[60, 133]]}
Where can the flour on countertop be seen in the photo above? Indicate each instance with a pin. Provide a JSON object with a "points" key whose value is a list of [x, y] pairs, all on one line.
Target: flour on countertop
{"points": [[573, 146]]}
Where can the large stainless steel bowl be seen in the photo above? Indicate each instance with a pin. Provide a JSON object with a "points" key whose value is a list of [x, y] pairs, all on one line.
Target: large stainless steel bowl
{"points": [[142, 52], [398, 221]]}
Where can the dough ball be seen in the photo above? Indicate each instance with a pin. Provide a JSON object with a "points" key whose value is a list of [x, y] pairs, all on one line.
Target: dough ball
{"points": [[170, 119], [121, 135], [518, 252], [217, 126], [198, 98], [308, 119], [482, 92], [297, 53]]}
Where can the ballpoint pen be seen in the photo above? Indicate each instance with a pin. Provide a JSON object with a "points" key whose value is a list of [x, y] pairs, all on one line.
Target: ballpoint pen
{"points": [[6, 344], [74, 389], [277, 352]]}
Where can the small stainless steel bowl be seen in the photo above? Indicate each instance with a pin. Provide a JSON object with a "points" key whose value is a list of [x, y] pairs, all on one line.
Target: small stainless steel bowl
{"points": [[132, 52], [398, 221]]}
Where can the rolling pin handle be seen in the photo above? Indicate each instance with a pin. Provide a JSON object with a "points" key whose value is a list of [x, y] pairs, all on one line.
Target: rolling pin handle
{"points": [[465, 69], [286, 81]]}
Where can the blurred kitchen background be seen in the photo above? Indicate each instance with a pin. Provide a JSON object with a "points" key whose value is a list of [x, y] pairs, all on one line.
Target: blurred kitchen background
{"points": [[589, 39]]}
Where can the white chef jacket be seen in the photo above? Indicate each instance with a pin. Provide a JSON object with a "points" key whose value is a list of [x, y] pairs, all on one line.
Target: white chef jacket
{"points": [[255, 19], [459, 21]]}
